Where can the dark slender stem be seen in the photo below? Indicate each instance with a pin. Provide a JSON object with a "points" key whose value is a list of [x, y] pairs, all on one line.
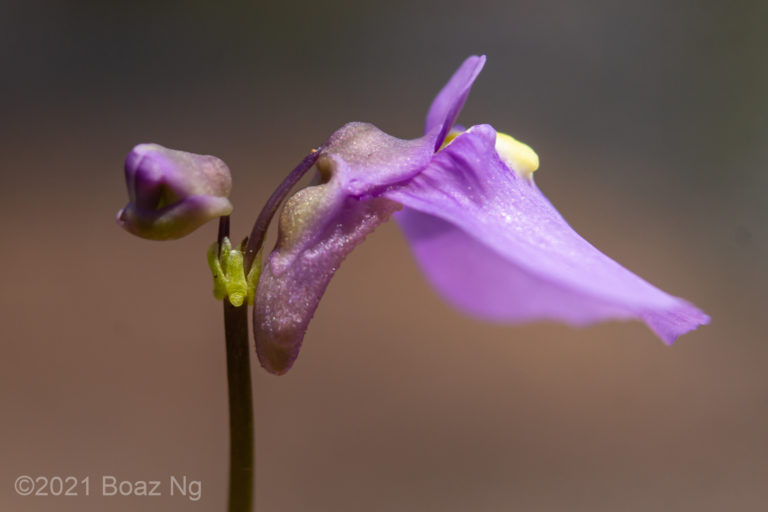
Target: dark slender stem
{"points": [[223, 229], [241, 458], [259, 231]]}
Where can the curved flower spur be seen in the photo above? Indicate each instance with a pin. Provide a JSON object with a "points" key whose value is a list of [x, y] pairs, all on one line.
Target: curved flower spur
{"points": [[485, 236]]}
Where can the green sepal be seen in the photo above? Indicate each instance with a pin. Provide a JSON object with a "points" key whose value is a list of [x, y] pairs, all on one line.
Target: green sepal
{"points": [[219, 278], [229, 279]]}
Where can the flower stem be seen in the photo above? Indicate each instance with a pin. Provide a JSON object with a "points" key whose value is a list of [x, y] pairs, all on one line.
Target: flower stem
{"points": [[241, 458], [256, 239]]}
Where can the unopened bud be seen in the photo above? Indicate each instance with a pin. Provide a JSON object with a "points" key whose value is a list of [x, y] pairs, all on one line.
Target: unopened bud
{"points": [[172, 193]]}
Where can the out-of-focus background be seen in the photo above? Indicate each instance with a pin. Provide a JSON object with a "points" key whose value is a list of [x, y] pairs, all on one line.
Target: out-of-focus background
{"points": [[651, 122]]}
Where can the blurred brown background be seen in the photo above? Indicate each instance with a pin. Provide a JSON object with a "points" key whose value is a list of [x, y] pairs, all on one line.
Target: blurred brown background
{"points": [[650, 120]]}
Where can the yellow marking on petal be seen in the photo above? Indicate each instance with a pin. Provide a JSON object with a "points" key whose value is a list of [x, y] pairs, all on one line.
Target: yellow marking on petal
{"points": [[518, 156], [449, 138]]}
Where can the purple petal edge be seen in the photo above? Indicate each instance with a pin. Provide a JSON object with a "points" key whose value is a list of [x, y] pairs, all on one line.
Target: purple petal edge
{"points": [[449, 101], [495, 247]]}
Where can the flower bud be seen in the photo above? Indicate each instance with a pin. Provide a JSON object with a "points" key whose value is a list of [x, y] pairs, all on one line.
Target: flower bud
{"points": [[172, 193]]}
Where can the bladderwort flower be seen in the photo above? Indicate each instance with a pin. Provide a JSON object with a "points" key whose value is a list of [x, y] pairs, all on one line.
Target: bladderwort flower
{"points": [[485, 236], [481, 230]]}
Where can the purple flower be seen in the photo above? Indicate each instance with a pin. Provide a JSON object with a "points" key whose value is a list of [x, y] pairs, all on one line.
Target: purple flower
{"points": [[172, 193], [483, 233]]}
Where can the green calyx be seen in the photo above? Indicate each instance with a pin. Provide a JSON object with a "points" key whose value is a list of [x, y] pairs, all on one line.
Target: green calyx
{"points": [[229, 279]]}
